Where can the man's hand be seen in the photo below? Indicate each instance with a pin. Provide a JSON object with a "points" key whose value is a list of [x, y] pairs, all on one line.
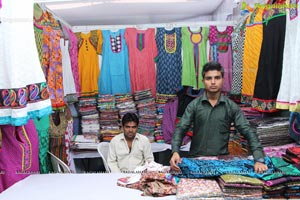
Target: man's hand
{"points": [[260, 167], [174, 160]]}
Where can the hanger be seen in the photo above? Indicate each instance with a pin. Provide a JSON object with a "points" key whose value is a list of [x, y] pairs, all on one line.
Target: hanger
{"points": [[140, 27], [169, 27]]}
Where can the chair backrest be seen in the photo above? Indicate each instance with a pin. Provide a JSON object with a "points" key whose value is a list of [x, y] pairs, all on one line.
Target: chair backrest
{"points": [[58, 165], [103, 151]]}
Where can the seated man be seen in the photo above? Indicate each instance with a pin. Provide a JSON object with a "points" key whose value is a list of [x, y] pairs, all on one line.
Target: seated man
{"points": [[129, 149]]}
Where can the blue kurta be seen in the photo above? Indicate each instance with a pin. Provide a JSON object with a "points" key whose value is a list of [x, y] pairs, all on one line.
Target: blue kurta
{"points": [[114, 76]]}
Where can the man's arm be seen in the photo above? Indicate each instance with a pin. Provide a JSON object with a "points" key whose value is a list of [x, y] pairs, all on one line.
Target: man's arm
{"points": [[183, 126], [112, 158], [179, 133]]}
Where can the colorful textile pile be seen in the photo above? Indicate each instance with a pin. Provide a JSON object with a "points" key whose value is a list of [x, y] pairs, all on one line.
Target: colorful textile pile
{"points": [[237, 186], [197, 188], [109, 117], [145, 104], [90, 117], [292, 156], [125, 104]]}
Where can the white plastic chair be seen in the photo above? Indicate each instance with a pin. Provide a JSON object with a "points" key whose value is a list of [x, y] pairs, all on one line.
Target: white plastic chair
{"points": [[58, 165], [103, 151]]}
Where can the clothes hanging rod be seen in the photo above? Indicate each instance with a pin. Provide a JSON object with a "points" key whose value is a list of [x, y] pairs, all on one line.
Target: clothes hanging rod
{"points": [[145, 26]]}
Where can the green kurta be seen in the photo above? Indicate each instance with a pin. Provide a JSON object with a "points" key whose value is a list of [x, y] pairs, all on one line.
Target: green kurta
{"points": [[194, 56], [212, 128]]}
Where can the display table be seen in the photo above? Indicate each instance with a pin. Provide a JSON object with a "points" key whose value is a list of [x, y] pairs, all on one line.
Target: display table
{"points": [[73, 187], [156, 148]]}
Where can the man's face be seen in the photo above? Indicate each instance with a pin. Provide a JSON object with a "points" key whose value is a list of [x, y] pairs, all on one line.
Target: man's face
{"points": [[130, 129], [213, 81]]}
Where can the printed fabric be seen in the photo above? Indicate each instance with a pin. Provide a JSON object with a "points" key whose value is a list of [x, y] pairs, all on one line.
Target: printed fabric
{"points": [[193, 168], [197, 188], [294, 126]]}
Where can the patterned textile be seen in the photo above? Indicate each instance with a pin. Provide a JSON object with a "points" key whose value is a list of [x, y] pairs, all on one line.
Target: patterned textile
{"points": [[194, 168], [197, 188], [168, 62], [269, 72], [294, 126], [221, 51], [158, 184], [24, 92], [282, 168], [233, 178], [281, 180], [52, 61], [19, 156], [42, 126], [238, 37]]}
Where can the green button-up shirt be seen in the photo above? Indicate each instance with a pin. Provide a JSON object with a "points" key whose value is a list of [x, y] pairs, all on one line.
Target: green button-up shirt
{"points": [[211, 128]]}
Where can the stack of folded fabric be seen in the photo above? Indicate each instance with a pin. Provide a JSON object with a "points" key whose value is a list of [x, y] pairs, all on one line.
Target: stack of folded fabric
{"points": [[161, 100], [109, 117], [277, 151], [125, 104], [284, 183], [198, 189], [146, 106], [237, 186], [272, 131], [89, 117], [292, 156]]}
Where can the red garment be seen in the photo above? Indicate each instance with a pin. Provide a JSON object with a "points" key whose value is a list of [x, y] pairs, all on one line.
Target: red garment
{"points": [[142, 52]]}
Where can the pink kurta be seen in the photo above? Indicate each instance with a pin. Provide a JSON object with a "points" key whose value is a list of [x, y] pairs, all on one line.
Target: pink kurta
{"points": [[142, 52], [19, 154]]}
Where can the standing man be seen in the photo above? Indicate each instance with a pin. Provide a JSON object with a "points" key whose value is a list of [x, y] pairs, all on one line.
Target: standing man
{"points": [[211, 115], [129, 149]]}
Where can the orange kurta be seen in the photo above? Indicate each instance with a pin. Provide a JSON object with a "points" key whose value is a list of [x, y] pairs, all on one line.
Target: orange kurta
{"points": [[252, 46], [88, 66]]}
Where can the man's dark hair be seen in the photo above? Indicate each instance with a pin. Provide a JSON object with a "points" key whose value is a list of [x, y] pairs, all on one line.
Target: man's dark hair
{"points": [[212, 66], [130, 117]]}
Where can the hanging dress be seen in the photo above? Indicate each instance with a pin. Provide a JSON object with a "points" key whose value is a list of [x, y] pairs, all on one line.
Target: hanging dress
{"points": [[220, 51], [68, 79], [194, 56], [289, 96], [38, 30], [252, 46], [114, 77], [238, 38], [88, 66], [270, 61], [142, 52], [73, 50], [23, 88], [168, 62], [20, 151]]}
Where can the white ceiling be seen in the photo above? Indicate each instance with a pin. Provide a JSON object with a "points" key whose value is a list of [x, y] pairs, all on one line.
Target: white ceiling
{"points": [[124, 12]]}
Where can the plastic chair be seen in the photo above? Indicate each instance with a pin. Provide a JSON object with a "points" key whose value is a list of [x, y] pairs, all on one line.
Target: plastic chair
{"points": [[58, 165], [103, 151]]}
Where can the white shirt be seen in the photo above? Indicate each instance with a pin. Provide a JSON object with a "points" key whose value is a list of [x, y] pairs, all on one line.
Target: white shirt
{"points": [[120, 159]]}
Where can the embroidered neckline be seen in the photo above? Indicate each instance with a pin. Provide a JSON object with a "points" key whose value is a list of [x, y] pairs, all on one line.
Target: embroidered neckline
{"points": [[170, 42]]}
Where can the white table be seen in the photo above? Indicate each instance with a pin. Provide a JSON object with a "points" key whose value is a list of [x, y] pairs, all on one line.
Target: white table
{"points": [[156, 147], [73, 187]]}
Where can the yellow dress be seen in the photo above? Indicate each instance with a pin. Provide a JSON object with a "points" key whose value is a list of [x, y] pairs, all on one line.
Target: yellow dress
{"points": [[252, 46], [88, 66]]}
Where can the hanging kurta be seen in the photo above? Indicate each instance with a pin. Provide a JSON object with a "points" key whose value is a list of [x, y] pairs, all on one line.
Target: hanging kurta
{"points": [[289, 96], [88, 66], [194, 56], [68, 80], [238, 37], [270, 62], [19, 156], [142, 52], [38, 30], [73, 50], [220, 51], [52, 61], [114, 77], [252, 46], [23, 88], [168, 63]]}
